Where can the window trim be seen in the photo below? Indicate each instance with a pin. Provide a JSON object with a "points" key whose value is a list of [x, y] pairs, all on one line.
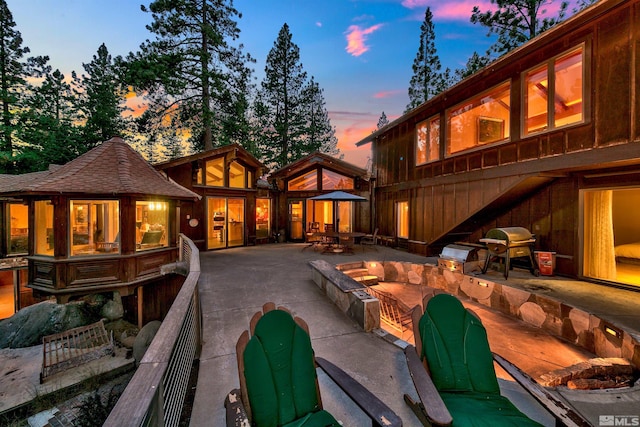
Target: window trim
{"points": [[551, 76]]}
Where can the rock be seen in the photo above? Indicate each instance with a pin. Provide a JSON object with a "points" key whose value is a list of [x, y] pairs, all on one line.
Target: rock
{"points": [[144, 338], [113, 309], [123, 332], [27, 327]]}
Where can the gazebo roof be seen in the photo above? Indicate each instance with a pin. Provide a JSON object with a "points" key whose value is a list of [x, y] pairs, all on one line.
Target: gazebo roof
{"points": [[112, 168]]}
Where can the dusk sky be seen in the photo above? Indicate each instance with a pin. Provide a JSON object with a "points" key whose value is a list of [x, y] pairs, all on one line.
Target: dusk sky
{"points": [[359, 51]]}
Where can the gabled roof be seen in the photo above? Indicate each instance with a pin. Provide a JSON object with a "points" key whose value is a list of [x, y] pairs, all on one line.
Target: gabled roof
{"points": [[324, 160], [240, 153], [112, 168]]}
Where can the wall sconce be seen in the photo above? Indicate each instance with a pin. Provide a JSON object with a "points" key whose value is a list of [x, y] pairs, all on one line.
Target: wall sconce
{"points": [[614, 332]]}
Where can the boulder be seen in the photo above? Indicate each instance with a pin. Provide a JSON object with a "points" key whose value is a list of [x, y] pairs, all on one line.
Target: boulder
{"points": [[144, 338], [113, 309], [27, 327]]}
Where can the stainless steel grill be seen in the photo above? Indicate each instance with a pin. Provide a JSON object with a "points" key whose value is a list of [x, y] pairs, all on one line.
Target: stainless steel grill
{"points": [[459, 257], [508, 243]]}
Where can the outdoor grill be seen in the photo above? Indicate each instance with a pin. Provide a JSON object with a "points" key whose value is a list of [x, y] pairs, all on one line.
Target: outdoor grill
{"points": [[508, 243], [459, 257]]}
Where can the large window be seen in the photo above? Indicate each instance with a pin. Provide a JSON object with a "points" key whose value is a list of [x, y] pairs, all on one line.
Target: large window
{"points": [[428, 141], [263, 218], [334, 181], [94, 227], [214, 172], [43, 227], [152, 218], [18, 226], [481, 120], [554, 93], [237, 178], [308, 181]]}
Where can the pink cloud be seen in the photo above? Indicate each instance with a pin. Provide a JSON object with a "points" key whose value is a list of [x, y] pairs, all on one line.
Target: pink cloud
{"points": [[451, 10], [357, 37], [388, 94]]}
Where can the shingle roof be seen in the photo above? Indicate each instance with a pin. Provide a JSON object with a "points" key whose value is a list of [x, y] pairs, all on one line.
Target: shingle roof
{"points": [[112, 168]]}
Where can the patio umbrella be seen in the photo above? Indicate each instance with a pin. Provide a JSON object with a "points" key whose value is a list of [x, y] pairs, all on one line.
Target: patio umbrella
{"points": [[338, 196]]}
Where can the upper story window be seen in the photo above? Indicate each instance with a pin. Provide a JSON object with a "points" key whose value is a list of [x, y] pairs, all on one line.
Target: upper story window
{"points": [[481, 120], [307, 181], [428, 141], [94, 227], [43, 219], [554, 93], [237, 176], [334, 181], [152, 218], [214, 172], [18, 226]]}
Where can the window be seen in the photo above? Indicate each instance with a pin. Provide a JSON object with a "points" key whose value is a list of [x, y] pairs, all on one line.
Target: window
{"points": [[18, 226], [335, 181], [263, 218], [214, 172], [427, 141], [43, 219], [237, 178], [94, 227], [554, 93], [481, 120], [402, 225], [152, 218], [308, 181]]}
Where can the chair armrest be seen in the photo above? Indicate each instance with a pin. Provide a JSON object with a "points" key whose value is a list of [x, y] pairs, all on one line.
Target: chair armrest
{"points": [[555, 405], [236, 414], [433, 404], [380, 414]]}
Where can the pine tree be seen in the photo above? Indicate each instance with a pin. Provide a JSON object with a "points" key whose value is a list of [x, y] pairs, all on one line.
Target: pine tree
{"points": [[13, 74], [515, 22], [46, 126], [290, 117], [101, 97], [426, 80], [191, 73], [474, 64]]}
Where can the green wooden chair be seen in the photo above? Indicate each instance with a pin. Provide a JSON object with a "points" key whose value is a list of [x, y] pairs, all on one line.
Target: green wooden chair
{"points": [[278, 379], [452, 369]]}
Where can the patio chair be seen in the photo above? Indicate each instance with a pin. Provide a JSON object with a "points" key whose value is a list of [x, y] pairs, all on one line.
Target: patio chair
{"points": [[278, 378], [370, 240], [313, 239], [453, 372]]}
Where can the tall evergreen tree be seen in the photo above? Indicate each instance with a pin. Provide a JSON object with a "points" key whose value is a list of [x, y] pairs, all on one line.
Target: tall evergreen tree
{"points": [[14, 71], [191, 72], [426, 80], [102, 98], [289, 110], [516, 21], [474, 64], [46, 125]]}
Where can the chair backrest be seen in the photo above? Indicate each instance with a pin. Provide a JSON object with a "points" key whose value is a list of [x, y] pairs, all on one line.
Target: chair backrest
{"points": [[328, 227], [279, 371], [314, 226], [455, 346]]}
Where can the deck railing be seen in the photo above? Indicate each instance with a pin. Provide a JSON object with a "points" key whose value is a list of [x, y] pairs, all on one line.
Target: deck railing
{"points": [[155, 395]]}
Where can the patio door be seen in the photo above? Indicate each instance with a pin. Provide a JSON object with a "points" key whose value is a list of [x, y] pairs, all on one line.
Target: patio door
{"points": [[296, 220], [226, 222]]}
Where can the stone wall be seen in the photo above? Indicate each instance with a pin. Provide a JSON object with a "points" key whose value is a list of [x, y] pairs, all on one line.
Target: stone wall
{"points": [[589, 331]]}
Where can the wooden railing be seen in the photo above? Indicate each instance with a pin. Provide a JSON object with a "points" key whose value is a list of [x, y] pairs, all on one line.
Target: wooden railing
{"points": [[155, 395]]}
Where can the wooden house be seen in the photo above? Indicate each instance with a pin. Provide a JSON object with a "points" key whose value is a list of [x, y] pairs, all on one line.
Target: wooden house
{"points": [[104, 222], [235, 206], [312, 176], [546, 138]]}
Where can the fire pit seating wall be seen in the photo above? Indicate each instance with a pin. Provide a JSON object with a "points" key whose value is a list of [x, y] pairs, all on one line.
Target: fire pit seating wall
{"points": [[556, 317]]}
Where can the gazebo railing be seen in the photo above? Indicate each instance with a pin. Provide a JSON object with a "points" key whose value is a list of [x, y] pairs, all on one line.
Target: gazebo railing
{"points": [[155, 395]]}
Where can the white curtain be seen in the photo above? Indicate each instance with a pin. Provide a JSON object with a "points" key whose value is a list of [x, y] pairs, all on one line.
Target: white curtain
{"points": [[599, 253]]}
